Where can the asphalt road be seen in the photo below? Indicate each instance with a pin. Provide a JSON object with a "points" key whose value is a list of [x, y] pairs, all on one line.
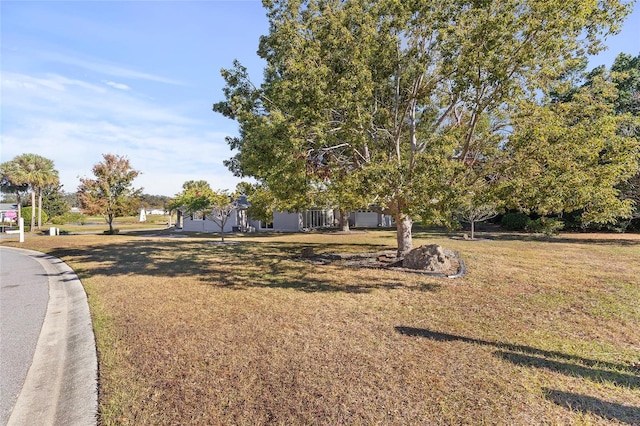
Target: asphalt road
{"points": [[46, 332], [24, 294]]}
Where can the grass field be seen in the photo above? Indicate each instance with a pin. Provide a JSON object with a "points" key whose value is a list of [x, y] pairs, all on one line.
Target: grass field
{"points": [[97, 224], [191, 331]]}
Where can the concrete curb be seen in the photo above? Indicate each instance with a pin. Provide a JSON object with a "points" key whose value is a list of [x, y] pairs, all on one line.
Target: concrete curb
{"points": [[61, 387]]}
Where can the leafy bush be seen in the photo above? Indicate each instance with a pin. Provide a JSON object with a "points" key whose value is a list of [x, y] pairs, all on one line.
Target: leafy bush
{"points": [[26, 215], [75, 217], [69, 217], [515, 221], [546, 225], [58, 220]]}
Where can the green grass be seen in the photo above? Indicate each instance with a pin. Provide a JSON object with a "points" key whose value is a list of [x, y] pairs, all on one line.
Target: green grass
{"points": [[191, 331]]}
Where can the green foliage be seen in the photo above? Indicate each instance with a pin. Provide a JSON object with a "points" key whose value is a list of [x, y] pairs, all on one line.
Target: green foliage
{"points": [[111, 193], [222, 206], [515, 221], [570, 156], [403, 105], [626, 76], [69, 217], [154, 201], [26, 214], [53, 201], [261, 201], [29, 171], [194, 200], [546, 225]]}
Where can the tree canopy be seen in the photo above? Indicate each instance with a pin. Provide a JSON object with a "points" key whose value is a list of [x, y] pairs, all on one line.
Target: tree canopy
{"points": [[110, 193], [407, 106], [194, 199], [32, 172]]}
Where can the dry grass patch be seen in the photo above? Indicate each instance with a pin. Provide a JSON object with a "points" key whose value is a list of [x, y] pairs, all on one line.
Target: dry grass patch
{"points": [[195, 332]]}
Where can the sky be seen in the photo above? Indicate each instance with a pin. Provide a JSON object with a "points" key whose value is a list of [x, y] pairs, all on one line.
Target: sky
{"points": [[80, 79]]}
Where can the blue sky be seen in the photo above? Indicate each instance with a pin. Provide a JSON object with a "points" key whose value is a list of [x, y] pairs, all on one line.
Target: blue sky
{"points": [[138, 78]]}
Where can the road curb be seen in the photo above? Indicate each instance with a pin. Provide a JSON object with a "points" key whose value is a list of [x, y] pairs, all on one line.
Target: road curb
{"points": [[61, 387]]}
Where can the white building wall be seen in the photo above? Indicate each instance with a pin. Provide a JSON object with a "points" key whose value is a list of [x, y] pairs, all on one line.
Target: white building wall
{"points": [[199, 225], [369, 219], [366, 219], [287, 222]]}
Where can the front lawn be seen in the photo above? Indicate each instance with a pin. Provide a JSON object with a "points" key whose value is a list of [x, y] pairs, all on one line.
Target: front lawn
{"points": [[191, 331]]}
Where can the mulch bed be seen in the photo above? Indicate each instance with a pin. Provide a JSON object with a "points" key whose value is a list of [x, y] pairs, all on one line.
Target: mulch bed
{"points": [[377, 260]]}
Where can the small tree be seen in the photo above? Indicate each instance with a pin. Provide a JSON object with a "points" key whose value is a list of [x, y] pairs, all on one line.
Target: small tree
{"points": [[54, 202], [194, 199], [223, 205], [261, 202], [110, 194], [472, 213]]}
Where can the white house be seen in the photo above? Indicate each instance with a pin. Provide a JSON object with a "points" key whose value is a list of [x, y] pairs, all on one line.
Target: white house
{"points": [[288, 222]]}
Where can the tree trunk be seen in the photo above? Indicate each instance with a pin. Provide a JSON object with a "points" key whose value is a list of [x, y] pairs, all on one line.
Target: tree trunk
{"points": [[473, 229], [33, 210], [403, 229], [110, 222], [344, 221], [40, 209], [19, 202]]}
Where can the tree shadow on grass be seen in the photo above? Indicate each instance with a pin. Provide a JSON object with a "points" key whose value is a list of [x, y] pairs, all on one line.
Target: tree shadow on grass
{"points": [[497, 234], [239, 266], [572, 369], [575, 366], [590, 405]]}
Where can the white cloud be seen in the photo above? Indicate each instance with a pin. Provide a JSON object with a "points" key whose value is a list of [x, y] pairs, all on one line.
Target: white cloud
{"points": [[74, 122], [105, 68], [119, 86]]}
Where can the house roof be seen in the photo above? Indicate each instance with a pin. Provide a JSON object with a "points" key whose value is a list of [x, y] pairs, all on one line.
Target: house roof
{"points": [[8, 207]]}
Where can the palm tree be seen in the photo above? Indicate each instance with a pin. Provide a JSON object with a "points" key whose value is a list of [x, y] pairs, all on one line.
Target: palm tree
{"points": [[12, 181], [36, 172], [46, 176]]}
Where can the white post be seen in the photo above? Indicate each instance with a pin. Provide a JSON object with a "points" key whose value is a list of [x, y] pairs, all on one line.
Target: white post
{"points": [[21, 222]]}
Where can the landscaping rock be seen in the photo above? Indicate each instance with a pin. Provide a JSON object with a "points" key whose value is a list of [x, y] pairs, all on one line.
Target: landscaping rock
{"points": [[429, 258]]}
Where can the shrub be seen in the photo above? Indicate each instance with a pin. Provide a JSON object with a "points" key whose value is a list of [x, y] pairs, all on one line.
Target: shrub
{"points": [[546, 225], [515, 221], [75, 217], [58, 220], [26, 215], [69, 217]]}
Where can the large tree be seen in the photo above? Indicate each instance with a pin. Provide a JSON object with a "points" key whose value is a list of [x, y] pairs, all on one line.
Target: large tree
{"points": [[110, 193], [568, 154], [406, 103], [626, 77]]}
